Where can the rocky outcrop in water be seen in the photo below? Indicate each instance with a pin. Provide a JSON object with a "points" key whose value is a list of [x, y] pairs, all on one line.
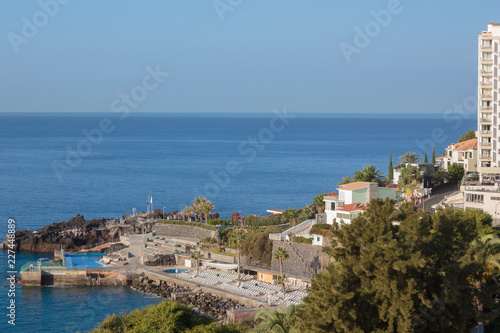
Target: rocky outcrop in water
{"points": [[75, 234], [209, 304]]}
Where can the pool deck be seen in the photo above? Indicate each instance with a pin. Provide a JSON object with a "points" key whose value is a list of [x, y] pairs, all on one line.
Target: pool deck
{"points": [[157, 273]]}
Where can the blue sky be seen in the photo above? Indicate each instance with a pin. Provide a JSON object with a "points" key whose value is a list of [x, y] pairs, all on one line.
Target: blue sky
{"points": [[263, 54]]}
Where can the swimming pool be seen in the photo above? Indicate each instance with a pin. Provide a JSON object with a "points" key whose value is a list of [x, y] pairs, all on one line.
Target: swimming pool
{"points": [[173, 271], [84, 260]]}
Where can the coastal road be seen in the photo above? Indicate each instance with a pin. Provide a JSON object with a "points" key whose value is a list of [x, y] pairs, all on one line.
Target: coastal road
{"points": [[439, 195]]}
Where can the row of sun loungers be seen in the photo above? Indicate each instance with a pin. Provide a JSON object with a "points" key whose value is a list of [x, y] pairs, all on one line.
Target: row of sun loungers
{"points": [[227, 280]]}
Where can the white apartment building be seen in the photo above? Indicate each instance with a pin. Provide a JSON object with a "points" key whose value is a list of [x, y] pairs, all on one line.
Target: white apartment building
{"points": [[483, 192], [488, 100]]}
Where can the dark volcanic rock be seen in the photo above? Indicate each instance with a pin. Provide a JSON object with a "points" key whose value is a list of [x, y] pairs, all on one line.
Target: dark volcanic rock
{"points": [[209, 304], [75, 234]]}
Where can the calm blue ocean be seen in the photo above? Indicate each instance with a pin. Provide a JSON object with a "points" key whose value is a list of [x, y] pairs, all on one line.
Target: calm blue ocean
{"points": [[50, 171]]}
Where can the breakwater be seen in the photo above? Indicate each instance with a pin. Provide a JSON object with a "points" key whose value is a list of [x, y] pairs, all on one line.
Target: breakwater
{"points": [[210, 304]]}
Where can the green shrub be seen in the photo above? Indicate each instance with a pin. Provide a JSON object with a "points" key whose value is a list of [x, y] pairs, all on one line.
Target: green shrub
{"points": [[302, 240], [219, 222], [192, 224], [321, 229], [259, 246]]}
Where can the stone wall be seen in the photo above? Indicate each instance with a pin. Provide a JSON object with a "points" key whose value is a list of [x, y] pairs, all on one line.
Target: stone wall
{"points": [[178, 230], [315, 259]]}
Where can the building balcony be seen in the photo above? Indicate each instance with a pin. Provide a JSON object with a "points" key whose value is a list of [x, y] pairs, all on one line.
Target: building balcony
{"points": [[486, 107], [487, 61], [485, 144], [486, 84], [486, 96], [486, 47], [485, 120], [484, 156], [487, 72], [486, 133]]}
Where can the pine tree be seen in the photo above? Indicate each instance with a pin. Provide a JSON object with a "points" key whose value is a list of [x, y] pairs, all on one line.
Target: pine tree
{"points": [[425, 158], [417, 276], [433, 155], [391, 171]]}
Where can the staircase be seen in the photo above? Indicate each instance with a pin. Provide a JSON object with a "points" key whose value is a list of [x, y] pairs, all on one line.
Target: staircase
{"points": [[293, 230]]}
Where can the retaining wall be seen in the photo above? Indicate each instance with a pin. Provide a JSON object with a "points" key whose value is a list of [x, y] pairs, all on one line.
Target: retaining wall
{"points": [[315, 259], [178, 230]]}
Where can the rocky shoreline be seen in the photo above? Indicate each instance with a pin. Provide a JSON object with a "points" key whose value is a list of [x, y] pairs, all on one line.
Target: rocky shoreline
{"points": [[78, 233], [212, 305]]}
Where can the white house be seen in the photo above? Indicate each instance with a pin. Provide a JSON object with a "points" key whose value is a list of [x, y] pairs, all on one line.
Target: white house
{"points": [[352, 199]]}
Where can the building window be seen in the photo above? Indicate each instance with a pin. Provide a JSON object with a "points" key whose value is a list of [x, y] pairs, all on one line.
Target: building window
{"points": [[317, 239], [477, 198], [450, 153], [343, 216], [495, 198]]}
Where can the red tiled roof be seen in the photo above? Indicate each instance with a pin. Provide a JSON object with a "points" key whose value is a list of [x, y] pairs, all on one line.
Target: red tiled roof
{"points": [[352, 207], [440, 158], [469, 144]]}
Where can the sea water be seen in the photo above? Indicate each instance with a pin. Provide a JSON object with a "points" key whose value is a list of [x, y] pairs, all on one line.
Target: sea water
{"points": [[55, 166]]}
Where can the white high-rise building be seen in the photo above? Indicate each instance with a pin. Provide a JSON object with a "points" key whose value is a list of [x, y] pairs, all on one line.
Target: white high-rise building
{"points": [[488, 100]]}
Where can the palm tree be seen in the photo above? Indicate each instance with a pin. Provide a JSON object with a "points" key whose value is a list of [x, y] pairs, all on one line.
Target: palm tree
{"points": [[319, 203], [291, 215], [487, 254], [206, 208], [281, 280], [238, 238], [490, 250], [196, 255], [197, 204], [187, 212], [369, 173], [281, 255], [409, 157], [279, 321], [346, 180]]}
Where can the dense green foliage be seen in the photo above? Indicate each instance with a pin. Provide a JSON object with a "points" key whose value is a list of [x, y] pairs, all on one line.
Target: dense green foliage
{"points": [[321, 229], [166, 316], [219, 222], [419, 276], [470, 134], [302, 240], [258, 221], [455, 172], [280, 321], [439, 176], [258, 246], [193, 224]]}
